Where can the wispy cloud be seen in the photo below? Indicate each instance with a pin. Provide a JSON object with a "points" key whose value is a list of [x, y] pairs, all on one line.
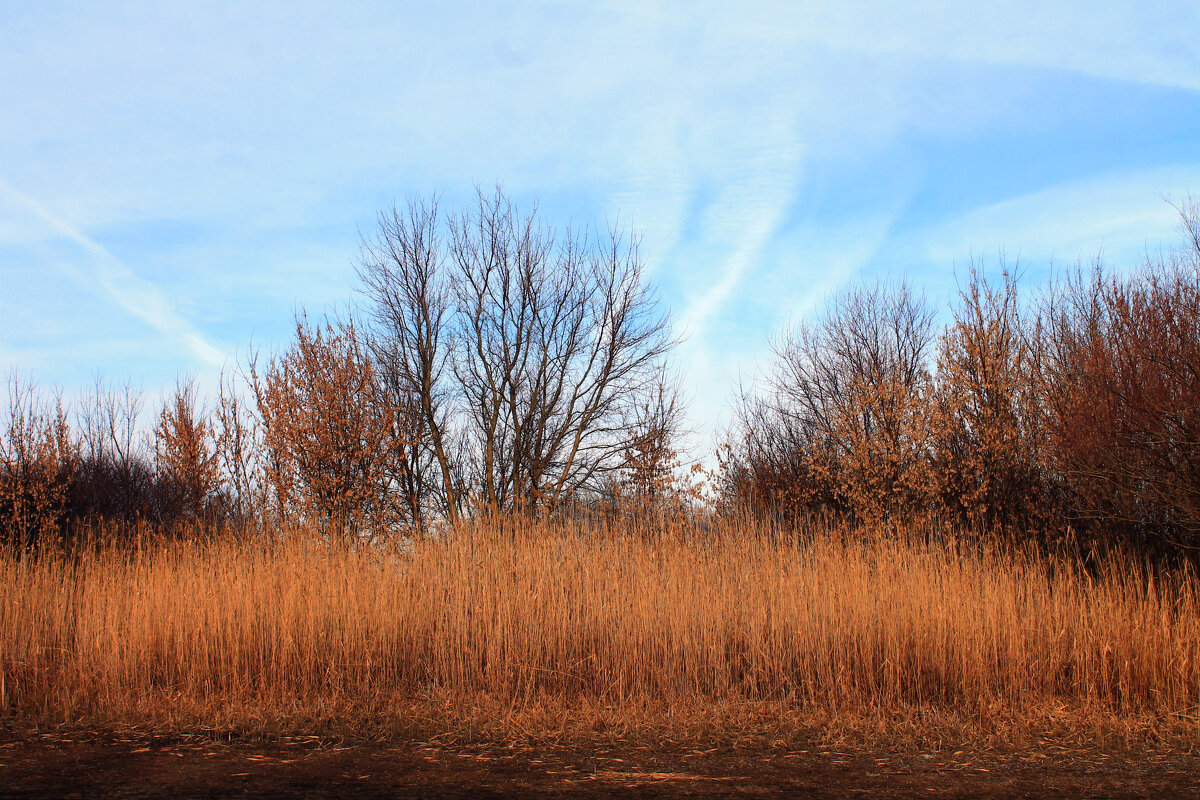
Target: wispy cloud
{"points": [[754, 238], [1122, 214], [121, 284], [1127, 40], [767, 150], [745, 214]]}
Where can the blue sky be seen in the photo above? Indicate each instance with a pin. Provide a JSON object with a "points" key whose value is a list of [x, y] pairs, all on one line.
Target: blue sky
{"points": [[177, 179]]}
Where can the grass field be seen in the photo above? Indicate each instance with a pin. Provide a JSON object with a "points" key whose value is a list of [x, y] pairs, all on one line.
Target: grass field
{"points": [[533, 630]]}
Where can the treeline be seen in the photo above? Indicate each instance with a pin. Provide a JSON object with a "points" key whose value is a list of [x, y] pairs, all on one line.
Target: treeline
{"points": [[1072, 408], [493, 363], [63, 468]]}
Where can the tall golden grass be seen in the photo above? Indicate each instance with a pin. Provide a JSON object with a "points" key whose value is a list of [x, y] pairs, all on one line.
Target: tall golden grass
{"points": [[837, 624]]}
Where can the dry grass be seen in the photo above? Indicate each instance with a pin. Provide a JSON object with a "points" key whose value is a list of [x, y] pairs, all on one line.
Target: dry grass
{"points": [[534, 627]]}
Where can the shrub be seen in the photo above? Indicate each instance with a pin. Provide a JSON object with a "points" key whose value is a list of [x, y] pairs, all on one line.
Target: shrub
{"points": [[335, 447], [38, 460]]}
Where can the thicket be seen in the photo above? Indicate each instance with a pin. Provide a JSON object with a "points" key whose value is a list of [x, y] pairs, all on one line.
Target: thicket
{"points": [[1075, 409], [62, 469], [494, 364]]}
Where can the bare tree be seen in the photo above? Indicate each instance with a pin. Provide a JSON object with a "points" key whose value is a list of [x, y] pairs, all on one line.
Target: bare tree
{"points": [[402, 271], [116, 476], [526, 349], [108, 422], [240, 451], [843, 422]]}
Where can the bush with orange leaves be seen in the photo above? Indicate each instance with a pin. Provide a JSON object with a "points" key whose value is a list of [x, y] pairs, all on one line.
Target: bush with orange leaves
{"points": [[37, 461], [653, 483], [1081, 413], [335, 445], [845, 427], [985, 457], [185, 454], [1120, 387], [866, 420]]}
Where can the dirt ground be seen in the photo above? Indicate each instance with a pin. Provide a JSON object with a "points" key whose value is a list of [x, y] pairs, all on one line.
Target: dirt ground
{"points": [[299, 768]]}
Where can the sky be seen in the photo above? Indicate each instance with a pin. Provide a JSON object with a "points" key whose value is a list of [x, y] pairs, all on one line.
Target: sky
{"points": [[178, 180]]}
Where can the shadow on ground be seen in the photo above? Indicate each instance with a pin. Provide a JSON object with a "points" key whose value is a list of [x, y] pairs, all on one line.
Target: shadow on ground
{"points": [[311, 769]]}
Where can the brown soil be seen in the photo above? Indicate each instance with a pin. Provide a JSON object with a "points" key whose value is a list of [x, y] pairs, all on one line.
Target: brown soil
{"points": [[61, 767]]}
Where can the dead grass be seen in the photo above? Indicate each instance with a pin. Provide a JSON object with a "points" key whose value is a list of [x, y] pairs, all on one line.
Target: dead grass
{"points": [[551, 631]]}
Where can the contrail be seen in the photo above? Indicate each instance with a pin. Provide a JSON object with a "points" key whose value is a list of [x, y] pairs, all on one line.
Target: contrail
{"points": [[753, 226], [695, 319], [133, 293]]}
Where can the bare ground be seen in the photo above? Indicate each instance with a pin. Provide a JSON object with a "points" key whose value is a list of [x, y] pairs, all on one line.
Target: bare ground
{"points": [[57, 766]]}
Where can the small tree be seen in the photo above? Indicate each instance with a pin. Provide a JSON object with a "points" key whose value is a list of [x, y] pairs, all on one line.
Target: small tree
{"points": [[770, 461], [239, 453], [37, 461], [185, 453], [986, 456], [651, 479], [116, 477], [334, 442], [844, 427]]}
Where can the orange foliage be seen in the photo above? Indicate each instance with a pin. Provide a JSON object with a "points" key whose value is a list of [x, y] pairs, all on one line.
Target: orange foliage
{"points": [[184, 449], [37, 460], [334, 441], [1121, 391], [985, 457]]}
